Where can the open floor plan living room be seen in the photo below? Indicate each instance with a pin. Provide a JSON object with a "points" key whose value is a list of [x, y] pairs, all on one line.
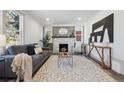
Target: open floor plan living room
{"points": [[61, 46]]}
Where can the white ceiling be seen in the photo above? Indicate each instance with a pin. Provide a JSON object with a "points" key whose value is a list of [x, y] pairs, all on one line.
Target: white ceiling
{"points": [[62, 16]]}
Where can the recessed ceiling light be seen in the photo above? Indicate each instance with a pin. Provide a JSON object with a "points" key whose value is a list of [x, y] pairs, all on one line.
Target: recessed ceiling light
{"points": [[79, 18], [47, 19]]}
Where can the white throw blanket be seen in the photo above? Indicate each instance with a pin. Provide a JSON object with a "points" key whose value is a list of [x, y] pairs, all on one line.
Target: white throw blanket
{"points": [[22, 65]]}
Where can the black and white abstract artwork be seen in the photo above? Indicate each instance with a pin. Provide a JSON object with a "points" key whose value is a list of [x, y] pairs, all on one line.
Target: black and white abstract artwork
{"points": [[102, 31]]}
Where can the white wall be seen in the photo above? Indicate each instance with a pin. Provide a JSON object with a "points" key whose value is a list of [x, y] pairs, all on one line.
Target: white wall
{"points": [[33, 30], [118, 45]]}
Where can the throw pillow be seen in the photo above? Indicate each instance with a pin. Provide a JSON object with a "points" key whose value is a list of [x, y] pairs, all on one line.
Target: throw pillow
{"points": [[38, 50], [30, 49]]}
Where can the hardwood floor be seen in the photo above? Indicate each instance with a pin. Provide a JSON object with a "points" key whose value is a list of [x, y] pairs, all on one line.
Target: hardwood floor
{"points": [[115, 75]]}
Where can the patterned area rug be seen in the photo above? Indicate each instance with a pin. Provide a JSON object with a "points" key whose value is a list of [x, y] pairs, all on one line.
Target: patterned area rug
{"points": [[83, 70]]}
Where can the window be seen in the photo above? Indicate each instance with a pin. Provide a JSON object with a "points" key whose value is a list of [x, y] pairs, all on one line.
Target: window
{"points": [[13, 27]]}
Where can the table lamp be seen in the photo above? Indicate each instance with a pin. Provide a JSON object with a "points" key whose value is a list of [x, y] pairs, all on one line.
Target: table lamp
{"points": [[2, 43]]}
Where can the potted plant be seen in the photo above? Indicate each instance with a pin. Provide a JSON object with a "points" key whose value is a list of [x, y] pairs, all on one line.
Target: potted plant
{"points": [[47, 39]]}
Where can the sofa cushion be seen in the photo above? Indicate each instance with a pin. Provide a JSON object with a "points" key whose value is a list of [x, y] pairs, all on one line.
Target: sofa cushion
{"points": [[37, 59], [30, 49], [38, 50], [45, 53], [16, 49]]}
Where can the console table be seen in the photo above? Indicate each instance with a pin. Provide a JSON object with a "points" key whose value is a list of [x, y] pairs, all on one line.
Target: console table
{"points": [[101, 55]]}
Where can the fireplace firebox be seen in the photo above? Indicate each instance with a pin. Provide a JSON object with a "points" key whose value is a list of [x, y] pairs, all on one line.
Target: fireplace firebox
{"points": [[63, 47]]}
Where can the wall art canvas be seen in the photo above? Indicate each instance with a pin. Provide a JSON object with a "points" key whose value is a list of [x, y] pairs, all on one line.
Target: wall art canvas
{"points": [[102, 31]]}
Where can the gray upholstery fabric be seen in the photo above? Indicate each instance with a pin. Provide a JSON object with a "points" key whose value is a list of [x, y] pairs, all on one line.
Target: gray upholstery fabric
{"points": [[8, 69], [2, 69], [14, 50], [38, 60], [45, 53]]}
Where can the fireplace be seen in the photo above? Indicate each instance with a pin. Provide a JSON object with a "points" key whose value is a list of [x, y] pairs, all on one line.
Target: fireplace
{"points": [[63, 47], [68, 42]]}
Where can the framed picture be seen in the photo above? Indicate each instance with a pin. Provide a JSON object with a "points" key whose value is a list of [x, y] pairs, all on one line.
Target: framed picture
{"points": [[78, 35]]}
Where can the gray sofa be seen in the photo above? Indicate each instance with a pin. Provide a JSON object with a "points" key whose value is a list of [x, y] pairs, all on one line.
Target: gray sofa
{"points": [[38, 60]]}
